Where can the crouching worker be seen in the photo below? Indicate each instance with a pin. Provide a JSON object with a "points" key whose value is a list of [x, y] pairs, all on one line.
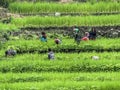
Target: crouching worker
{"points": [[77, 39], [10, 52], [43, 37], [51, 55], [57, 41], [86, 37], [95, 57]]}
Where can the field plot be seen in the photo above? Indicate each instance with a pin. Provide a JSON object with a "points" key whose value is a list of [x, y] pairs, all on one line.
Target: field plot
{"points": [[67, 45], [92, 64], [36, 21], [83, 8], [58, 81], [4, 27], [63, 63]]}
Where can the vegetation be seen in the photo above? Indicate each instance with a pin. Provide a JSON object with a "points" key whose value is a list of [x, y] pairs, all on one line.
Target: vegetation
{"points": [[74, 66], [30, 7], [57, 81], [59, 85], [62, 63], [67, 21], [7, 27], [42, 77], [38, 46]]}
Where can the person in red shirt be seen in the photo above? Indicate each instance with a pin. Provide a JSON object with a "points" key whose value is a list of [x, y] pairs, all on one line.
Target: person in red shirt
{"points": [[86, 37]]}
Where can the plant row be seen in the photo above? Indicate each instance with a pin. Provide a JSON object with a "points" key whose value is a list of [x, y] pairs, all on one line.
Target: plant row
{"points": [[67, 45], [42, 77], [5, 3], [29, 7], [59, 85], [7, 27], [30, 63], [67, 56], [36, 21]]}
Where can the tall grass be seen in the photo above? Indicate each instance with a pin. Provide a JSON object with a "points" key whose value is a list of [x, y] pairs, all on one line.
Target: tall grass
{"points": [[62, 63], [67, 44], [29, 7], [105, 56], [7, 27], [67, 21], [50, 77], [61, 85]]}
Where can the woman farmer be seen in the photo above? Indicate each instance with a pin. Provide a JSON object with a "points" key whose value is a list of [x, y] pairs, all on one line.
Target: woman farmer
{"points": [[43, 37]]}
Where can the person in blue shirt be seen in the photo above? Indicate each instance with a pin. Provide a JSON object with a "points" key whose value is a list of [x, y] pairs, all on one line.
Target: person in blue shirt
{"points": [[10, 52], [43, 38]]}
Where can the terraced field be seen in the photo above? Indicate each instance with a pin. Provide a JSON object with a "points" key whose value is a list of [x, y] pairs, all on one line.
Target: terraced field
{"points": [[74, 67], [67, 45], [58, 81], [74, 62], [83, 8]]}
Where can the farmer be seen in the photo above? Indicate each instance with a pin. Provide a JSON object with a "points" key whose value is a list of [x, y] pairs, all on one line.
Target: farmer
{"points": [[77, 38], [51, 55], [43, 37], [86, 37], [92, 34], [10, 52], [75, 30], [57, 41]]}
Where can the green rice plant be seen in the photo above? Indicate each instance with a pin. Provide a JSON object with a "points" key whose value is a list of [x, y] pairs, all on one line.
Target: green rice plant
{"points": [[105, 56], [8, 27], [44, 7], [54, 76], [37, 21], [5, 3], [62, 63], [59, 85], [67, 44]]}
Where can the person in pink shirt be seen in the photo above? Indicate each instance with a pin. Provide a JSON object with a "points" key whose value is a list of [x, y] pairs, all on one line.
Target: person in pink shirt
{"points": [[86, 37]]}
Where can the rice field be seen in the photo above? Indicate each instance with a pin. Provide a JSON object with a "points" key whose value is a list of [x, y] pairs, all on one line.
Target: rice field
{"points": [[69, 21], [8, 27], [66, 46], [58, 85], [36, 21], [58, 81], [40, 7], [74, 67], [68, 71], [53, 76], [34, 71], [74, 62]]}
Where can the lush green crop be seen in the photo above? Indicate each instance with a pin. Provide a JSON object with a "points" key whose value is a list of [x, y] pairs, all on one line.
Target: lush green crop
{"points": [[85, 8], [5, 3], [66, 46], [31, 70], [62, 63], [42, 77], [67, 21], [6, 27], [111, 56], [61, 85]]}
